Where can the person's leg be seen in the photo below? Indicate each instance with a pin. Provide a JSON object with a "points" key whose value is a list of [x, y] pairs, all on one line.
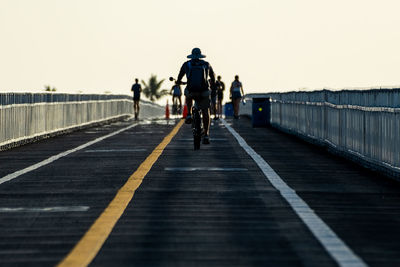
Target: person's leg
{"points": [[174, 106], [214, 106], [189, 102], [206, 121], [206, 125], [136, 108], [236, 103], [238, 107], [180, 101]]}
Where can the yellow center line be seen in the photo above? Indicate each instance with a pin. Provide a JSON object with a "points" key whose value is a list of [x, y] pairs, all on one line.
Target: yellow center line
{"points": [[90, 244]]}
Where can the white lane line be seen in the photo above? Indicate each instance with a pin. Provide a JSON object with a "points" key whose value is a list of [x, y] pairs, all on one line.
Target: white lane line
{"points": [[193, 169], [211, 139], [45, 209], [152, 132], [336, 248], [115, 150], [60, 155]]}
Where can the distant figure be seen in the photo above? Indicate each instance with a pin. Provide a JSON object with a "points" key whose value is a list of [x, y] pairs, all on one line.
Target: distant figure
{"points": [[220, 95], [136, 89], [213, 99], [197, 72], [236, 93], [176, 94]]}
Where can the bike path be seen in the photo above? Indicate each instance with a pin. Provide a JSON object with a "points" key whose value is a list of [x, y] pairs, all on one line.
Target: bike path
{"points": [[45, 212], [219, 210], [361, 206], [211, 207]]}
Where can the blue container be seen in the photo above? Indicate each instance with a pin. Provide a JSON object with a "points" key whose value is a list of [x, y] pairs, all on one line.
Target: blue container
{"points": [[261, 112], [228, 109]]}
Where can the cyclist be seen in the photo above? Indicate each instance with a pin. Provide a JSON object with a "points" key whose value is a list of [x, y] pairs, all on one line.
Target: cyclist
{"points": [[136, 89], [176, 94], [220, 94], [197, 72]]}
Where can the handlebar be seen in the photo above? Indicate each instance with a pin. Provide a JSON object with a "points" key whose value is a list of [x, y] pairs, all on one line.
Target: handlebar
{"points": [[180, 82]]}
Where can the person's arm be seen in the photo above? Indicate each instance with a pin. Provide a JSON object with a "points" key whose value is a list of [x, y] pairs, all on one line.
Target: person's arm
{"points": [[241, 87], [140, 88], [222, 86]]}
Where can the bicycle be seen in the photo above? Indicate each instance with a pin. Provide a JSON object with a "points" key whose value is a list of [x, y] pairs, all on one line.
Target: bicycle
{"points": [[197, 123], [176, 110], [176, 102]]}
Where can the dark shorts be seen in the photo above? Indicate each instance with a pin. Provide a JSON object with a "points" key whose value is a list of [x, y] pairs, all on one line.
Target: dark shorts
{"points": [[201, 98], [220, 96], [236, 95], [176, 95], [136, 98]]}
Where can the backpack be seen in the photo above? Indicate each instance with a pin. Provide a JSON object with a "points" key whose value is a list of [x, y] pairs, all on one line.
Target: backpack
{"points": [[197, 77]]}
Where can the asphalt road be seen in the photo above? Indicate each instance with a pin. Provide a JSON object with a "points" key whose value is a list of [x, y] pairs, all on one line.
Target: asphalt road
{"points": [[212, 207]]}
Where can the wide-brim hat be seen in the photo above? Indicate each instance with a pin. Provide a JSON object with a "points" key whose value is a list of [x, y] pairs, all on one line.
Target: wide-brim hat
{"points": [[196, 53]]}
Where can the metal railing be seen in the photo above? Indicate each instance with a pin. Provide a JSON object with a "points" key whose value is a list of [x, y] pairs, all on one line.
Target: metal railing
{"points": [[27, 116], [362, 124]]}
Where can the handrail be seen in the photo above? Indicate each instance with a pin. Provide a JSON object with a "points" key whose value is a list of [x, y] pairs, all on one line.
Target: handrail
{"points": [[22, 121]]}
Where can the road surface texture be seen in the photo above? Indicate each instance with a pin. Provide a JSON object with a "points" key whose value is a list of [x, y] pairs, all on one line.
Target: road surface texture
{"points": [[211, 207]]}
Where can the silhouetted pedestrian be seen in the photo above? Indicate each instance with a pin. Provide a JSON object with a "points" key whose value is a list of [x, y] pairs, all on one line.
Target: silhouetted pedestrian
{"points": [[136, 89], [213, 108], [220, 95], [236, 94]]}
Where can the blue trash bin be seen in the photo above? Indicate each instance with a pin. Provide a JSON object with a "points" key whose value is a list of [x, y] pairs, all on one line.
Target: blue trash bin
{"points": [[228, 109], [261, 112]]}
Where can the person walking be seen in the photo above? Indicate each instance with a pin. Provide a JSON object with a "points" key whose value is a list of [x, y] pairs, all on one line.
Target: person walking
{"points": [[236, 94], [219, 84], [197, 72], [136, 89]]}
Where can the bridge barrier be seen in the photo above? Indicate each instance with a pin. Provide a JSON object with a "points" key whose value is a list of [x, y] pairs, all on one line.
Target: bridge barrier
{"points": [[361, 125], [26, 117], [261, 112]]}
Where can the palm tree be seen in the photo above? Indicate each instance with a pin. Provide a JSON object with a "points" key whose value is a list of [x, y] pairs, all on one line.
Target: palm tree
{"points": [[151, 89], [48, 88]]}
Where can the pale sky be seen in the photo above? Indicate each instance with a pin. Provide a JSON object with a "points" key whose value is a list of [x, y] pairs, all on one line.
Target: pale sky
{"points": [[281, 45]]}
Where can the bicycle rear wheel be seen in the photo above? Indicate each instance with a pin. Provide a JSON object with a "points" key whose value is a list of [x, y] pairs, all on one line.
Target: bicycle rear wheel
{"points": [[196, 129]]}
